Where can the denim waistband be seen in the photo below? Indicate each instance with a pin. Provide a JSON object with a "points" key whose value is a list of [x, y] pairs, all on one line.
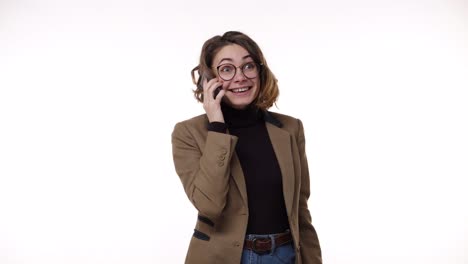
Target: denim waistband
{"points": [[266, 236], [252, 236]]}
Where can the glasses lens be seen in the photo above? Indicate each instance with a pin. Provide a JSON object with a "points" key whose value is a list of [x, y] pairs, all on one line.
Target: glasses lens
{"points": [[227, 71], [250, 70]]}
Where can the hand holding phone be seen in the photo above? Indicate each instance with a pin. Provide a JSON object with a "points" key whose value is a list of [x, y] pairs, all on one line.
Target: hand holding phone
{"points": [[216, 91], [212, 95], [208, 77]]}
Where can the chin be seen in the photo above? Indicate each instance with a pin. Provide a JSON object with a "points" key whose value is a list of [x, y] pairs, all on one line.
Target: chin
{"points": [[239, 103]]}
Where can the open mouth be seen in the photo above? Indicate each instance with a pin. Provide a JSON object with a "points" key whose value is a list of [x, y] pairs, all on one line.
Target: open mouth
{"points": [[240, 90]]}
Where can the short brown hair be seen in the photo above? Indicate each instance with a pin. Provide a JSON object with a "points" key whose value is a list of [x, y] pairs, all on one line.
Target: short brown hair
{"points": [[269, 91]]}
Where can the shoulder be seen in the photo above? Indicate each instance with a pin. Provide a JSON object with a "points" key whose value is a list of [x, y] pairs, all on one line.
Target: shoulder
{"points": [[194, 125], [285, 121], [194, 121], [288, 123]]}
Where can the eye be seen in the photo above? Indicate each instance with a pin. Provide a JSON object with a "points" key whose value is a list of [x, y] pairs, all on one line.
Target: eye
{"points": [[226, 68], [249, 66]]}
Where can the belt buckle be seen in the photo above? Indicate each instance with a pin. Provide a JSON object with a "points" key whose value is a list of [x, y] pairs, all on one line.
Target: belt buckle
{"points": [[260, 252]]}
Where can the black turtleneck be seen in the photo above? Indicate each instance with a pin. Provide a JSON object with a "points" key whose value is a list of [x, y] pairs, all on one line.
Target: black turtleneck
{"points": [[267, 211]]}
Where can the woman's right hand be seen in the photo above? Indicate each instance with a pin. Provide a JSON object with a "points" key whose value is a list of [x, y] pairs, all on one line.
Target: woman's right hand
{"points": [[212, 105]]}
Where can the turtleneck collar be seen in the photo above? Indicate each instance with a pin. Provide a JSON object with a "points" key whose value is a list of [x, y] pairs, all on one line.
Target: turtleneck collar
{"points": [[236, 118]]}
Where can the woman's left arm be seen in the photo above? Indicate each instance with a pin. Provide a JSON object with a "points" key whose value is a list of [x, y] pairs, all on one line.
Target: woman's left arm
{"points": [[309, 243]]}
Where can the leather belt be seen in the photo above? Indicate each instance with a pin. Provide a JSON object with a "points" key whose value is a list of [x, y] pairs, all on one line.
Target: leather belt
{"points": [[264, 245]]}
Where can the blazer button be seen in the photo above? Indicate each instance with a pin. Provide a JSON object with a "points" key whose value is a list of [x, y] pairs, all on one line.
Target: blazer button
{"points": [[236, 244], [220, 163], [221, 157], [224, 151]]}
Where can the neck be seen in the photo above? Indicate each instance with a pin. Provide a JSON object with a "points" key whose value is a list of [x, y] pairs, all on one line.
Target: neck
{"points": [[246, 116]]}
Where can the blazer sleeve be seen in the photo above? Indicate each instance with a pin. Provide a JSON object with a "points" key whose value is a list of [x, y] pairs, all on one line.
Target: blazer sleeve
{"points": [[203, 169], [309, 243]]}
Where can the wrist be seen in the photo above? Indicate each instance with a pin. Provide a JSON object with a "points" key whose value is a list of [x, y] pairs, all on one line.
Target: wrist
{"points": [[219, 127], [217, 118]]}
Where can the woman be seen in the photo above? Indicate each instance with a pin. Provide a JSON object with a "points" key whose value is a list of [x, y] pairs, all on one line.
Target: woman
{"points": [[242, 167]]}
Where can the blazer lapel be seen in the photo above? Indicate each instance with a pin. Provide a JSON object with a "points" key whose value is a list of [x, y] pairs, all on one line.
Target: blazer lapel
{"points": [[238, 176], [281, 141]]}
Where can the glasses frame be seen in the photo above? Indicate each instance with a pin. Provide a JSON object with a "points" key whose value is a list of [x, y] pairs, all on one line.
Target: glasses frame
{"points": [[241, 69]]}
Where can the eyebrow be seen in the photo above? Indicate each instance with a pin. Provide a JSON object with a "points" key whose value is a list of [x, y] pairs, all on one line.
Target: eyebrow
{"points": [[229, 59]]}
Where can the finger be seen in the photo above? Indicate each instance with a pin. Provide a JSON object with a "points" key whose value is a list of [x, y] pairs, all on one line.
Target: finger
{"points": [[204, 82], [206, 89], [211, 87], [206, 85], [220, 96]]}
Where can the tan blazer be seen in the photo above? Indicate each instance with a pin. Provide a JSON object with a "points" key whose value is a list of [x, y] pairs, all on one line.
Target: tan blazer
{"points": [[211, 174]]}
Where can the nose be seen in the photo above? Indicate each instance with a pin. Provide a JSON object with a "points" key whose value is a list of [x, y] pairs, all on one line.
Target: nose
{"points": [[239, 76]]}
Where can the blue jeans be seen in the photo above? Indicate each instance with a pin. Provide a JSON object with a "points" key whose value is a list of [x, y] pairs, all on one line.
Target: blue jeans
{"points": [[284, 254]]}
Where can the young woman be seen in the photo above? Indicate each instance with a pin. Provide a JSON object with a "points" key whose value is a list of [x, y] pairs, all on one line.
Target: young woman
{"points": [[242, 167]]}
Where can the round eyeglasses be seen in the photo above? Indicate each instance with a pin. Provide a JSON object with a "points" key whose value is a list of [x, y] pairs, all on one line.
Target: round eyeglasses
{"points": [[228, 71]]}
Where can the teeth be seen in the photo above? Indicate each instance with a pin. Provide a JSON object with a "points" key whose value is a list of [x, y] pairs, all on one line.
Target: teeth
{"points": [[240, 90]]}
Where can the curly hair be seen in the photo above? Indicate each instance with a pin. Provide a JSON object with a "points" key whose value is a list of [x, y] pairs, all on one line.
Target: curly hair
{"points": [[269, 91]]}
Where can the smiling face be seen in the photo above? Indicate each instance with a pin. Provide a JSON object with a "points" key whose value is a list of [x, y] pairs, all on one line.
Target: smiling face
{"points": [[240, 90]]}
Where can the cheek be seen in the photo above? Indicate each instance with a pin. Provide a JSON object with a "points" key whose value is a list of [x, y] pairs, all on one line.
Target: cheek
{"points": [[226, 85], [257, 85]]}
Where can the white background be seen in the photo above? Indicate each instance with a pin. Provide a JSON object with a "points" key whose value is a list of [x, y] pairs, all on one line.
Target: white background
{"points": [[90, 91]]}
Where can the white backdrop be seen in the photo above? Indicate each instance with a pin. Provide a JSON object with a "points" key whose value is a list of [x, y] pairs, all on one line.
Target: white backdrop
{"points": [[90, 91]]}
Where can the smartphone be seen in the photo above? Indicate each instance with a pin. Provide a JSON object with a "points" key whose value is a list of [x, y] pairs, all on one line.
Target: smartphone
{"points": [[216, 91], [208, 76]]}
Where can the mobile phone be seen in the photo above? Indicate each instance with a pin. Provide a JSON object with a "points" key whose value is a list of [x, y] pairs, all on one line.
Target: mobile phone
{"points": [[208, 76], [216, 91]]}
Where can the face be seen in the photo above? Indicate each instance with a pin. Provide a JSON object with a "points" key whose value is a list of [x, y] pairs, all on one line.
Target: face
{"points": [[240, 90]]}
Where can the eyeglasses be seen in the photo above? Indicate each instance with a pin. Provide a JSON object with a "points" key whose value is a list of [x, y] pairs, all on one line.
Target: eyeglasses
{"points": [[228, 71]]}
